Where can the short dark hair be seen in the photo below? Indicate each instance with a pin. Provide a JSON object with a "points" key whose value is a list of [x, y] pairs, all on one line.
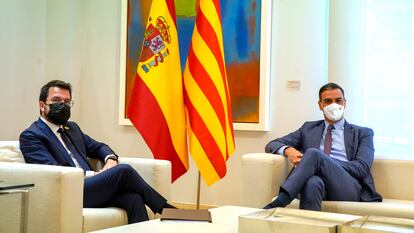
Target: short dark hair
{"points": [[330, 86], [44, 91]]}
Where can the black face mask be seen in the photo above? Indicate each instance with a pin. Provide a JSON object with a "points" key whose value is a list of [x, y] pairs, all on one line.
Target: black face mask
{"points": [[59, 113]]}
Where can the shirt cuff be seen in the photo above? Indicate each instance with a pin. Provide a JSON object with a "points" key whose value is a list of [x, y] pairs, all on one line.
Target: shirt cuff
{"points": [[111, 156], [281, 150], [89, 174]]}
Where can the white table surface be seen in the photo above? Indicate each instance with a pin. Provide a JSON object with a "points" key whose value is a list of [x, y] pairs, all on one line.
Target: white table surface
{"points": [[225, 220]]}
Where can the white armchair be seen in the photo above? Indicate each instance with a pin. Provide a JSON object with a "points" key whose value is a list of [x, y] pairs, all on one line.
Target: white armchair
{"points": [[55, 203], [262, 175]]}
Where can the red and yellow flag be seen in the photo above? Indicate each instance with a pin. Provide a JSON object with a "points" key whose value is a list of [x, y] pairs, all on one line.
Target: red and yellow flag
{"points": [[156, 107], [207, 96]]}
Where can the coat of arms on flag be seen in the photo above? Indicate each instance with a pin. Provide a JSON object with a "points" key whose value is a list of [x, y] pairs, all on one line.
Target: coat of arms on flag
{"points": [[156, 107], [154, 47]]}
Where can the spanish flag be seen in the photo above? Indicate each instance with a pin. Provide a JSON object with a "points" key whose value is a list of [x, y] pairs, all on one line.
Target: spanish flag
{"points": [[156, 107], [207, 96]]}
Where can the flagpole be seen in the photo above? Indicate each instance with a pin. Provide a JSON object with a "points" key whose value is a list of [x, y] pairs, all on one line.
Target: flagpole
{"points": [[198, 191], [199, 174]]}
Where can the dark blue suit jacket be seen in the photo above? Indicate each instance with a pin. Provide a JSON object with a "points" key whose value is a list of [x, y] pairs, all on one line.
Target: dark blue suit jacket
{"points": [[120, 186], [40, 145], [359, 150]]}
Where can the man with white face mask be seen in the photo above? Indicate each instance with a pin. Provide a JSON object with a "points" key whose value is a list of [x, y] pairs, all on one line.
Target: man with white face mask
{"points": [[332, 158]]}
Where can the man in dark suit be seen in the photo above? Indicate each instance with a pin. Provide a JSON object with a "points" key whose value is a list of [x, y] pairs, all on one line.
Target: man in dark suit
{"points": [[332, 158], [54, 140]]}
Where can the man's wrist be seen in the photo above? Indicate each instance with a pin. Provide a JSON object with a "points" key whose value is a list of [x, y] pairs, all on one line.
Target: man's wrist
{"points": [[112, 157], [281, 150], [284, 151]]}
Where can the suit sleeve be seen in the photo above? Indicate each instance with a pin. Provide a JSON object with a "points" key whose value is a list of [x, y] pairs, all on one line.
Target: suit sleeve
{"points": [[34, 149], [360, 166], [293, 139], [95, 149]]}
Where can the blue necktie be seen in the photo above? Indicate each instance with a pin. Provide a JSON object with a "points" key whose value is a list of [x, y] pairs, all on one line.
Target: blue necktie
{"points": [[328, 140], [73, 150]]}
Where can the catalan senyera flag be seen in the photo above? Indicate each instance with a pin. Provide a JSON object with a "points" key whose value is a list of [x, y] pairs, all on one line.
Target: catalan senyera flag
{"points": [[206, 95], [156, 106]]}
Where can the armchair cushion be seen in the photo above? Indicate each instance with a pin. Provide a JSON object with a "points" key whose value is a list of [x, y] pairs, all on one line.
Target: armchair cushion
{"points": [[10, 152]]}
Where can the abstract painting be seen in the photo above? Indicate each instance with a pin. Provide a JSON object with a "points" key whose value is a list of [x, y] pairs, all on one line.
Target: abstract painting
{"points": [[246, 35]]}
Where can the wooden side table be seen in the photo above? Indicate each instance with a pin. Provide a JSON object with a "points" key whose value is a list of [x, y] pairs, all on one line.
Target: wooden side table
{"points": [[23, 189]]}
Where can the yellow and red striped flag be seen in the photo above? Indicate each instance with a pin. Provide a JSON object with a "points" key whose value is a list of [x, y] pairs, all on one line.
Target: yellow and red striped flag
{"points": [[207, 96], [156, 107]]}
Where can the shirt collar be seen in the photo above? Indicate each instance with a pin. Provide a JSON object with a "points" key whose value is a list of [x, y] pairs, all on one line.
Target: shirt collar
{"points": [[337, 125], [52, 126]]}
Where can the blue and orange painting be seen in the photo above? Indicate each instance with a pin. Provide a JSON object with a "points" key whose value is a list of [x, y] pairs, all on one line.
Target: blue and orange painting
{"points": [[241, 35]]}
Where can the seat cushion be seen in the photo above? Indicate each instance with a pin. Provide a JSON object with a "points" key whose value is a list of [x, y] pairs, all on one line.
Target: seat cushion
{"points": [[10, 152], [388, 207], [102, 218]]}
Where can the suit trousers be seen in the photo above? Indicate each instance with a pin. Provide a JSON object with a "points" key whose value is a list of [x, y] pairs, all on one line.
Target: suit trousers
{"points": [[319, 177], [121, 186]]}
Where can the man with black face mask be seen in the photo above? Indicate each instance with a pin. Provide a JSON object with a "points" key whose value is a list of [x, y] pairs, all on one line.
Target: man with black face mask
{"points": [[54, 140]]}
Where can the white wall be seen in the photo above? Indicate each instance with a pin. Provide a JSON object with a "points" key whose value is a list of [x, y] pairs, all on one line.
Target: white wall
{"points": [[38, 42], [22, 59], [346, 50], [78, 41]]}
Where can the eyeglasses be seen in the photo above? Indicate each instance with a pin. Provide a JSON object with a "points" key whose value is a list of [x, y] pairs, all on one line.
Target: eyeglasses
{"points": [[69, 103]]}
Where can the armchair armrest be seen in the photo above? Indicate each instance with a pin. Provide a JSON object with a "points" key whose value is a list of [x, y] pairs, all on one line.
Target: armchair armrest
{"points": [[155, 172], [262, 175], [55, 202]]}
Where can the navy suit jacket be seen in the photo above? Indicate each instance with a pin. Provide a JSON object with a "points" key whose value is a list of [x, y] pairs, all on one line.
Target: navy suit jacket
{"points": [[40, 145], [359, 150]]}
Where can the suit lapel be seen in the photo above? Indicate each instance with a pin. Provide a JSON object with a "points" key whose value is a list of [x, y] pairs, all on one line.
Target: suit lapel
{"points": [[55, 141], [317, 135], [349, 139]]}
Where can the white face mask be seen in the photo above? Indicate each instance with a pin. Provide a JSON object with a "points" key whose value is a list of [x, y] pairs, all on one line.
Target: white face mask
{"points": [[334, 112]]}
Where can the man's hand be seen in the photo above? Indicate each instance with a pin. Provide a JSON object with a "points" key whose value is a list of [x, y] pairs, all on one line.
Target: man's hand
{"points": [[293, 155], [109, 164]]}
